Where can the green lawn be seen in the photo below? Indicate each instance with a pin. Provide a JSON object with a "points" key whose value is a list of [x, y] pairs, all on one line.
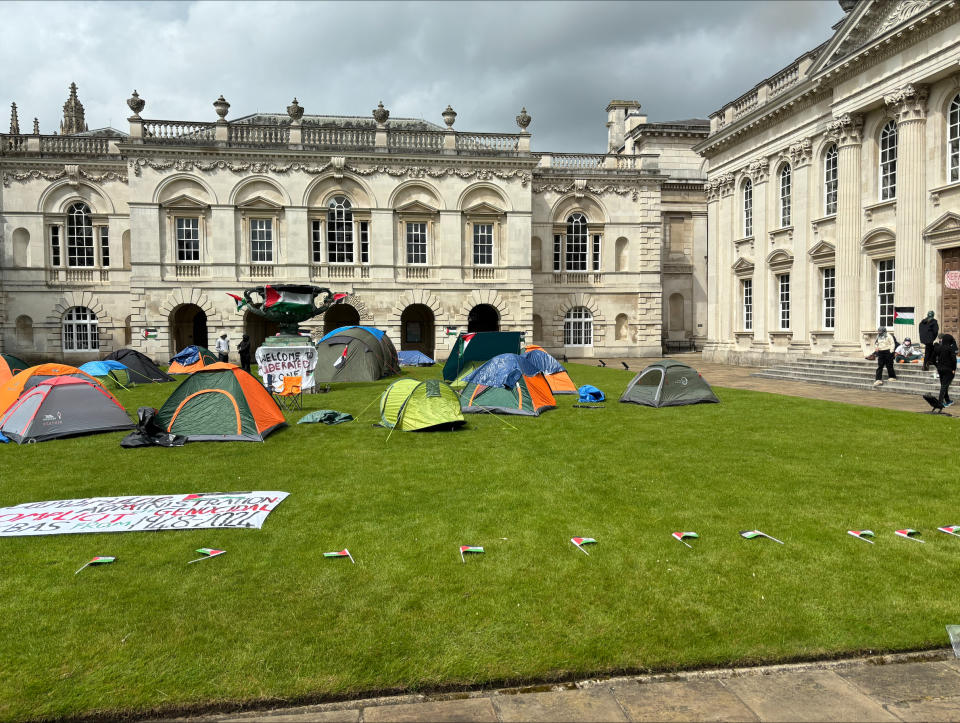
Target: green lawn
{"points": [[273, 620]]}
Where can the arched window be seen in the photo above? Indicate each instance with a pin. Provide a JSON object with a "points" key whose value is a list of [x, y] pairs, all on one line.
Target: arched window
{"points": [[79, 236], [339, 231], [830, 181], [578, 327], [577, 242], [785, 183], [748, 208], [888, 161], [953, 140], [80, 330]]}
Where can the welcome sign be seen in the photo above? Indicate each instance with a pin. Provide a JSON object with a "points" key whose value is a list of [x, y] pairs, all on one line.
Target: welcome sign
{"points": [[287, 361], [193, 511]]}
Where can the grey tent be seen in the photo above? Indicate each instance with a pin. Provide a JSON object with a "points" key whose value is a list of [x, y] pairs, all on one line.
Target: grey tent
{"points": [[355, 354], [668, 383], [140, 368]]}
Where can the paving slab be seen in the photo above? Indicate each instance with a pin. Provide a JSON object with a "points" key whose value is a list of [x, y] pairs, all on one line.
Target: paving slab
{"points": [[685, 700], [470, 710], [904, 682], [305, 714], [815, 695], [935, 711], [568, 706]]}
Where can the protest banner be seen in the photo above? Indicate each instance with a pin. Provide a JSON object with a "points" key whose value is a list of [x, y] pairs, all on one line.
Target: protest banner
{"points": [[287, 361], [220, 510]]}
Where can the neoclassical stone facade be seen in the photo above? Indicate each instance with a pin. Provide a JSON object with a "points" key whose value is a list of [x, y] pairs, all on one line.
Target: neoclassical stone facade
{"points": [[136, 238], [833, 192]]}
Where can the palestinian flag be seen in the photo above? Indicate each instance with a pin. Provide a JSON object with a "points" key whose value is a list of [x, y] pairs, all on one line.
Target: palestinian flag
{"points": [[951, 530], [908, 533], [98, 561], [341, 360], [340, 553], [450, 331], [207, 553], [466, 340], [903, 314], [286, 300], [468, 549], [752, 534], [337, 298], [579, 542], [862, 535], [681, 536], [239, 301], [150, 334]]}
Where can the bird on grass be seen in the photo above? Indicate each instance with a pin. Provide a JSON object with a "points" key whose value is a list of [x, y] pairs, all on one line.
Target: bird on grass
{"points": [[625, 366], [602, 362]]}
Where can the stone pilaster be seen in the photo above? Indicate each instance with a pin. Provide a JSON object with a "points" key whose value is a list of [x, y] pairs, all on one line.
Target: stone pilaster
{"points": [[800, 282], [909, 105], [848, 130], [760, 173], [713, 274], [726, 224]]}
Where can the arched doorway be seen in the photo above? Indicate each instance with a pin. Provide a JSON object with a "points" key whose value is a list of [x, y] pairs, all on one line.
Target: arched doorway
{"points": [[340, 315], [188, 326], [417, 330], [258, 329], [483, 317]]}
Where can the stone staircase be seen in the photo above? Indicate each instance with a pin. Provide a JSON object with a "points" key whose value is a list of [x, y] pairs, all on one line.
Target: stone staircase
{"points": [[854, 374]]}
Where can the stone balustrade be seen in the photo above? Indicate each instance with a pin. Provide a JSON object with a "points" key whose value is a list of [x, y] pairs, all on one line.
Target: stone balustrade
{"points": [[487, 143], [357, 138], [746, 104], [243, 134], [764, 93], [784, 80], [188, 271], [177, 132], [14, 144], [417, 141], [58, 145]]}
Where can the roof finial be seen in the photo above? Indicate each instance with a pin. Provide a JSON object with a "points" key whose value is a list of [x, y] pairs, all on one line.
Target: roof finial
{"points": [[73, 119], [14, 120], [36, 127]]}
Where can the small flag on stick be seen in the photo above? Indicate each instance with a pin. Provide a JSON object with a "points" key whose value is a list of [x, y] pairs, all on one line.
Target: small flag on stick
{"points": [[207, 553], [751, 534], [340, 553], [681, 536], [341, 359], [579, 542], [862, 535], [907, 533], [468, 549], [240, 302], [97, 561], [950, 530]]}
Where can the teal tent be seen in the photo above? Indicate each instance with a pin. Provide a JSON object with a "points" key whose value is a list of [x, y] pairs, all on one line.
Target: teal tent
{"points": [[479, 346]]}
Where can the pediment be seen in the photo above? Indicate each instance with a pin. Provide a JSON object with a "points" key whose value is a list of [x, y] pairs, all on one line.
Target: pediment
{"points": [[416, 207], [742, 267], [878, 241], [185, 201], [779, 260], [259, 202], [822, 252], [484, 209], [947, 225]]}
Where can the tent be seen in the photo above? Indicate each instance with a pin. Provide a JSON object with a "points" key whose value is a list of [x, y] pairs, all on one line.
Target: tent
{"points": [[107, 371], [479, 347], [411, 406], [190, 360], [10, 366], [507, 385], [355, 354], [220, 403], [63, 406], [414, 358], [30, 377], [557, 377], [668, 383], [140, 367]]}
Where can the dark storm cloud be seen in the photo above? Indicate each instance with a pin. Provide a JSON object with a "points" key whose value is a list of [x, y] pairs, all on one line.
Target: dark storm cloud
{"points": [[563, 61]]}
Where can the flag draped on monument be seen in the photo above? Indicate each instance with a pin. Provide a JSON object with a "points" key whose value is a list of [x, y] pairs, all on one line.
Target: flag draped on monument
{"points": [[286, 300]]}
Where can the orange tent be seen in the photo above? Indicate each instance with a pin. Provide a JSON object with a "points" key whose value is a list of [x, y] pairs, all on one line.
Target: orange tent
{"points": [[182, 364], [10, 365], [557, 377], [19, 383]]}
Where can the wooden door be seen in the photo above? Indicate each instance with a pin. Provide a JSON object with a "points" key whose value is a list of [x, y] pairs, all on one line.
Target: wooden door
{"points": [[950, 321]]}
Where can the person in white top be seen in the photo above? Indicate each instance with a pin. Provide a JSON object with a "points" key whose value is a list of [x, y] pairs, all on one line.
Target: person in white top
{"points": [[223, 348]]}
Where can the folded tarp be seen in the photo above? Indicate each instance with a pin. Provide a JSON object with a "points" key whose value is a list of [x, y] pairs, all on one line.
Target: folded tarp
{"points": [[325, 416]]}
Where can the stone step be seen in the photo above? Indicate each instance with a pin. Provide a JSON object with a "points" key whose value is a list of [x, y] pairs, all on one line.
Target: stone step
{"points": [[900, 385]]}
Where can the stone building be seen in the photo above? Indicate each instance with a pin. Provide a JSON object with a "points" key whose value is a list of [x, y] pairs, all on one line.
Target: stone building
{"points": [[135, 238], [833, 192]]}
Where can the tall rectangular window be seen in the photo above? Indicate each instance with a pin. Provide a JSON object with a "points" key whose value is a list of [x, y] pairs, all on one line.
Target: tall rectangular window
{"points": [[888, 161], [786, 183], [829, 298], [316, 241], [886, 282], [364, 242], [54, 245], [104, 247], [748, 209], [261, 240], [557, 252], [830, 185], [783, 286], [188, 239], [746, 286], [576, 243], [953, 141], [416, 243], [483, 244], [596, 252]]}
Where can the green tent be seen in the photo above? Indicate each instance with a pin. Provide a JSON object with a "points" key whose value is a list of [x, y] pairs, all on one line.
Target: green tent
{"points": [[479, 346], [411, 406], [668, 383], [354, 354]]}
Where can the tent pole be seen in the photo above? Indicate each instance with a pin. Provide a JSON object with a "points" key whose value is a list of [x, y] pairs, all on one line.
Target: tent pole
{"points": [[357, 418]]}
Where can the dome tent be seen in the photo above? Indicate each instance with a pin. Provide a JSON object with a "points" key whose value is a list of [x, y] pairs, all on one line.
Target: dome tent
{"points": [[191, 359], [10, 366], [14, 388], [668, 383], [140, 368], [411, 405], [556, 376], [355, 354], [506, 384], [478, 346]]}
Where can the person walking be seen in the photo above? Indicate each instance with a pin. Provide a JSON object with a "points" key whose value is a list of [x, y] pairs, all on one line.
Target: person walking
{"points": [[929, 329], [243, 349], [884, 347], [946, 363], [223, 348]]}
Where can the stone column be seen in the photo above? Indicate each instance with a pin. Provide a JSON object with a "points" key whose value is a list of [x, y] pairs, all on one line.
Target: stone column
{"points": [[724, 258], [848, 130], [713, 272], [909, 105], [800, 156], [759, 171]]}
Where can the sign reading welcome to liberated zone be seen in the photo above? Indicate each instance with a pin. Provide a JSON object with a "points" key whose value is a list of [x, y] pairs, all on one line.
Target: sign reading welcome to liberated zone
{"points": [[287, 361], [223, 510]]}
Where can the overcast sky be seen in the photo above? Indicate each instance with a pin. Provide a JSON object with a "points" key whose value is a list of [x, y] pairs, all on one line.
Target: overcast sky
{"points": [[562, 60]]}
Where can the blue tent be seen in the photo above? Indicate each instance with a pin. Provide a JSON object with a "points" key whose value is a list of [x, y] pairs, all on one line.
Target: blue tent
{"points": [[102, 368], [589, 393], [414, 358], [503, 370], [372, 329], [541, 361]]}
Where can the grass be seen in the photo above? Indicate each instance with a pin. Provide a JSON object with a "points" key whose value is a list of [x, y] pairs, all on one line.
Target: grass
{"points": [[273, 620]]}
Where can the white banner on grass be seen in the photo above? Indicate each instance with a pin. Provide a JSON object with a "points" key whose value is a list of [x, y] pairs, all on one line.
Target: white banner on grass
{"points": [[222, 510], [287, 361]]}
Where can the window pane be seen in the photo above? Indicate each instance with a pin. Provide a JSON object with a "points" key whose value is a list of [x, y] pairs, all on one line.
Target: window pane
{"points": [[596, 252], [885, 290], [54, 245], [104, 246], [364, 242], [785, 183], [557, 252], [953, 140], [829, 298], [830, 181], [578, 327], [79, 236], [747, 304], [888, 161], [188, 239], [576, 243], [261, 240], [416, 243], [748, 209], [483, 244], [339, 231], [80, 331], [784, 288]]}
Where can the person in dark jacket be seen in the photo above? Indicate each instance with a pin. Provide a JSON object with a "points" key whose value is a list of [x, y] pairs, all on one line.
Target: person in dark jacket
{"points": [[929, 329], [946, 361], [243, 349]]}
